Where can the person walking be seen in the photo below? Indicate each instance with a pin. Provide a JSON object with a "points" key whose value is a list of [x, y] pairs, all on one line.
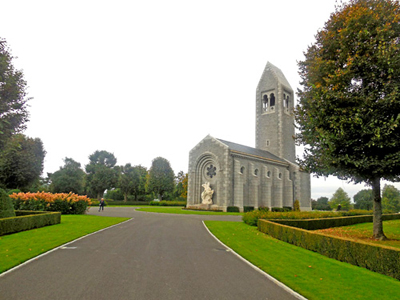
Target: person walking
{"points": [[101, 204]]}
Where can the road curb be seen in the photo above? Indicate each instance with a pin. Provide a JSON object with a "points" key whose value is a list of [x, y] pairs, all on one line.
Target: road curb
{"points": [[58, 247], [285, 287]]}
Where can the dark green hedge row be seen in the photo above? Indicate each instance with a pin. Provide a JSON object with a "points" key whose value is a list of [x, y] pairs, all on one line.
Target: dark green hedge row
{"points": [[168, 203], [316, 224], [232, 209], [380, 259], [27, 220]]}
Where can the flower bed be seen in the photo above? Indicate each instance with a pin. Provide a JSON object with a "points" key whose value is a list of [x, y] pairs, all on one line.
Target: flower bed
{"points": [[41, 201]]}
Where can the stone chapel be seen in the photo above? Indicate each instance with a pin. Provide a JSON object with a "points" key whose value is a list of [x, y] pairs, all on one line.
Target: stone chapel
{"points": [[223, 174]]}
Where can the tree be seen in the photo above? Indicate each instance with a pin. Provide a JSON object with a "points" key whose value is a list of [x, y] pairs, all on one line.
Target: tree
{"points": [[340, 197], [21, 162], [322, 204], [13, 96], [349, 108], [364, 199], [161, 177], [132, 180], [181, 185], [139, 181], [101, 172], [391, 198], [70, 178]]}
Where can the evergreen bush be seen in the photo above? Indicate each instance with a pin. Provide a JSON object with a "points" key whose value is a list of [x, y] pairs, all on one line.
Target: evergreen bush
{"points": [[6, 205], [232, 209]]}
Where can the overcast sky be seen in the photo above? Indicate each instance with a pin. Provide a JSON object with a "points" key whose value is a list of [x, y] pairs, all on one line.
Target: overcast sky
{"points": [[143, 79]]}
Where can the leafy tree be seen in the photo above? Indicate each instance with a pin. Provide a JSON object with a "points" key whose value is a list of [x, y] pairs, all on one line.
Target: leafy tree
{"points": [[161, 177], [13, 96], [115, 194], [349, 106], [322, 204], [21, 162], [6, 206], [391, 198], [364, 199], [313, 204], [101, 172], [181, 185], [340, 197], [139, 181], [132, 180], [70, 178]]}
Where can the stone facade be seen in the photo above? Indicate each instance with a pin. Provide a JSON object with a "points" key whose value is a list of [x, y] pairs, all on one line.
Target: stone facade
{"points": [[263, 176]]}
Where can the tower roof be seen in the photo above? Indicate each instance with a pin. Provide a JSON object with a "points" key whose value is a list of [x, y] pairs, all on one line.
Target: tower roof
{"points": [[271, 70]]}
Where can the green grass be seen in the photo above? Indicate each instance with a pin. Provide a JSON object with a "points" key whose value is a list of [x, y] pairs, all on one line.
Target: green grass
{"points": [[310, 274], [19, 247], [179, 210], [364, 232]]}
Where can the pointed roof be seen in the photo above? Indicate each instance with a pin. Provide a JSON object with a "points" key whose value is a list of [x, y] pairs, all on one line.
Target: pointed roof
{"points": [[254, 152], [277, 73]]}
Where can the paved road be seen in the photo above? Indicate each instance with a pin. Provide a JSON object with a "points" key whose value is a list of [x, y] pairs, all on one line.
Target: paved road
{"points": [[152, 256]]}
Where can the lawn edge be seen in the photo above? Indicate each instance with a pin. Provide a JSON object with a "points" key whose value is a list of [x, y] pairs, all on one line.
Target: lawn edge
{"points": [[274, 280], [58, 247]]}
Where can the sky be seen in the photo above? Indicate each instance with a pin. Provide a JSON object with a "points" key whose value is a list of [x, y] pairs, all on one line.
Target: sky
{"points": [[143, 79]]}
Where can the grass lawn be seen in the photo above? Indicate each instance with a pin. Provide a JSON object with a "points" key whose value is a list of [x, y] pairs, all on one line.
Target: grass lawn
{"points": [[179, 210], [308, 273], [364, 233], [19, 247]]}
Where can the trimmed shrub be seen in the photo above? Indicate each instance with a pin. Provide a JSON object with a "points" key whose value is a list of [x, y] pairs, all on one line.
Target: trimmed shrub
{"points": [[232, 209], [263, 208], [41, 201], [26, 220], [6, 205], [168, 203], [377, 258], [248, 208], [296, 205]]}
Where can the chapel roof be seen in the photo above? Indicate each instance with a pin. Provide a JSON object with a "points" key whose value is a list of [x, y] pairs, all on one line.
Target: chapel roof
{"points": [[252, 151], [270, 69]]}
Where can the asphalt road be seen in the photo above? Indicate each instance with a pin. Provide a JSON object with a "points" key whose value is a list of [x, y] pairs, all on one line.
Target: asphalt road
{"points": [[152, 256]]}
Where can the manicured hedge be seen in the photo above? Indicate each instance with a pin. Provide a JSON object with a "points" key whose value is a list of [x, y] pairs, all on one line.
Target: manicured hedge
{"points": [[26, 220], [316, 224], [168, 203], [380, 259], [232, 209]]}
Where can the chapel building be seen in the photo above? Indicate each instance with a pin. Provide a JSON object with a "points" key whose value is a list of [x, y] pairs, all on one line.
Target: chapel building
{"points": [[264, 176]]}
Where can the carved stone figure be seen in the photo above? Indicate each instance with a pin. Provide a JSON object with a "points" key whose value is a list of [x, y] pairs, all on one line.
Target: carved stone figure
{"points": [[207, 194]]}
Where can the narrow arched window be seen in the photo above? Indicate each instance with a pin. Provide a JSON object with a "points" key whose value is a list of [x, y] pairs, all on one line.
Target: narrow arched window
{"points": [[265, 102], [242, 170], [256, 172], [272, 100]]}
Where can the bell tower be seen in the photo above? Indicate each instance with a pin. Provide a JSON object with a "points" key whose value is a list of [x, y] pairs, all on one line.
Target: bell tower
{"points": [[274, 114]]}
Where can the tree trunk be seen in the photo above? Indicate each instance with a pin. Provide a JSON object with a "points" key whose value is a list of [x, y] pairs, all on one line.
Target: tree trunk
{"points": [[378, 226], [125, 197], [99, 195]]}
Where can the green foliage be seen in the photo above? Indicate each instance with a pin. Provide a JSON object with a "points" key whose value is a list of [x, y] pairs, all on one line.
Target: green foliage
{"points": [[21, 162], [251, 218], [248, 208], [391, 198], [296, 205], [322, 204], [101, 172], [28, 220], [232, 209], [70, 178], [132, 180], [281, 209], [13, 96], [341, 198], [114, 194], [6, 206], [381, 259], [348, 114], [161, 177], [168, 203], [364, 199]]}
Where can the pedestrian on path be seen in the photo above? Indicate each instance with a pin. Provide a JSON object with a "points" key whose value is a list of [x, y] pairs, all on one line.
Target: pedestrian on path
{"points": [[101, 204]]}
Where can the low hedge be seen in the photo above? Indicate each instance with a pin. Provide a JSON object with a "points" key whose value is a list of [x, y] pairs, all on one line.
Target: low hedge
{"points": [[232, 209], [315, 224], [26, 220], [380, 259], [168, 203]]}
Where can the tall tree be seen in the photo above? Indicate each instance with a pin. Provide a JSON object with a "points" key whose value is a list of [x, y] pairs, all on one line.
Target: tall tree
{"points": [[70, 178], [13, 96], [322, 204], [161, 177], [101, 172], [140, 181], [391, 198], [340, 197], [349, 107], [364, 199], [21, 162]]}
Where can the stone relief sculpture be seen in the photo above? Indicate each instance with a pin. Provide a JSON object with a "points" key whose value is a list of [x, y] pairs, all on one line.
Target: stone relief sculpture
{"points": [[207, 194]]}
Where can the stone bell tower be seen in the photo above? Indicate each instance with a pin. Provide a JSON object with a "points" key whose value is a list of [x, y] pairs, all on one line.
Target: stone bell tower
{"points": [[274, 114]]}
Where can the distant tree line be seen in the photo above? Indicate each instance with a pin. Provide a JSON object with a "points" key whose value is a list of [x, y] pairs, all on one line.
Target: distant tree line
{"points": [[103, 177], [364, 199]]}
